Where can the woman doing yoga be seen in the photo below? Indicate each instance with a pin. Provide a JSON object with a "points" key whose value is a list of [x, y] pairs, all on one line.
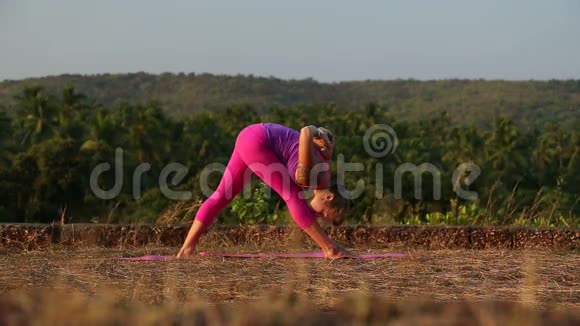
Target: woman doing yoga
{"points": [[288, 161]]}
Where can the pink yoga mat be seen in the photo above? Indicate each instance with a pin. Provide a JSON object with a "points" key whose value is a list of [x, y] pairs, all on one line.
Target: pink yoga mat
{"points": [[318, 254]]}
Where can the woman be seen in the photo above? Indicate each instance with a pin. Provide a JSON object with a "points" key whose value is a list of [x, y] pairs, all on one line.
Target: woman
{"points": [[287, 161]]}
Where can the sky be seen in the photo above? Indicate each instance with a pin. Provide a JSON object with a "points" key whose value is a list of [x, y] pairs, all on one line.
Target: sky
{"points": [[325, 40]]}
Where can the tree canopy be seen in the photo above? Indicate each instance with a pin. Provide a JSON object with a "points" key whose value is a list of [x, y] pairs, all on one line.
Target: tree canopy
{"points": [[51, 142]]}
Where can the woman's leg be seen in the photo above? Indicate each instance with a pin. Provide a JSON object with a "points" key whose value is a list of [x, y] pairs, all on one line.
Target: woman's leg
{"points": [[230, 185]]}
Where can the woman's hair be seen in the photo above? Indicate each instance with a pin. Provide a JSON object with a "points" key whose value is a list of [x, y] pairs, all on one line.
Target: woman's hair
{"points": [[340, 205]]}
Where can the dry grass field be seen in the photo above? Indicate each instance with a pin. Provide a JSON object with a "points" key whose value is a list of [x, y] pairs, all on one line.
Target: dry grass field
{"points": [[430, 286]]}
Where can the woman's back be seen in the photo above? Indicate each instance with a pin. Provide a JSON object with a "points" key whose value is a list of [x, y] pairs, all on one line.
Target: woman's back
{"points": [[284, 143]]}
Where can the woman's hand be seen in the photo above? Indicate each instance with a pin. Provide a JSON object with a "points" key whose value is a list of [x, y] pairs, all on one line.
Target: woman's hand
{"points": [[330, 248], [328, 135], [188, 248], [337, 251], [186, 252], [325, 142]]}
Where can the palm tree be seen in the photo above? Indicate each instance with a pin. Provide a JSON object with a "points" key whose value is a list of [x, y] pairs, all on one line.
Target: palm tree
{"points": [[5, 140], [71, 113], [101, 132], [206, 140], [544, 155], [503, 148], [36, 115], [462, 145], [148, 132]]}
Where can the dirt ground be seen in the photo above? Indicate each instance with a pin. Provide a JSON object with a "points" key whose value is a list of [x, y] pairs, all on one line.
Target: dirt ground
{"points": [[542, 278]]}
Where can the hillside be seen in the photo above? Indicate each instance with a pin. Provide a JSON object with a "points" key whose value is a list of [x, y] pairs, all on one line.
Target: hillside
{"points": [[466, 101]]}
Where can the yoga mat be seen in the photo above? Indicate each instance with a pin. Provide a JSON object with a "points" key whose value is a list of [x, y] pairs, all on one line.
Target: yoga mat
{"points": [[318, 254]]}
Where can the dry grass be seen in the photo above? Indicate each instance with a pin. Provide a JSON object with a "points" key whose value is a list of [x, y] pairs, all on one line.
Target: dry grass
{"points": [[46, 283]]}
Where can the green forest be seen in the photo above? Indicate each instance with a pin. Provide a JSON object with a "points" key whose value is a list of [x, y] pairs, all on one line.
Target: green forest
{"points": [[523, 135]]}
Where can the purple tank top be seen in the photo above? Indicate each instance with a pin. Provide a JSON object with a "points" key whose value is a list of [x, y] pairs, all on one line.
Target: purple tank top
{"points": [[284, 142]]}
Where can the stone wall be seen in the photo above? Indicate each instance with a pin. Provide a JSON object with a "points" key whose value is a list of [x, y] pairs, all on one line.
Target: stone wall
{"points": [[39, 236]]}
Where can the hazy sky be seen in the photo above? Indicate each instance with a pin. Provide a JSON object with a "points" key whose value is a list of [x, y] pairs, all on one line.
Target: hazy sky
{"points": [[326, 40]]}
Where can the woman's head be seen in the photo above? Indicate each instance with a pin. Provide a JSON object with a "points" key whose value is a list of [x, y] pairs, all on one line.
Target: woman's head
{"points": [[330, 204]]}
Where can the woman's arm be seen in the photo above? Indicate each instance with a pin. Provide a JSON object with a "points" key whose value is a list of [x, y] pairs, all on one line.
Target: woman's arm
{"points": [[190, 242], [330, 248], [310, 138], [305, 162]]}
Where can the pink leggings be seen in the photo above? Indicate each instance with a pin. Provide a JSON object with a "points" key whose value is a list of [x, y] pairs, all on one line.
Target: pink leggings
{"points": [[252, 153]]}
